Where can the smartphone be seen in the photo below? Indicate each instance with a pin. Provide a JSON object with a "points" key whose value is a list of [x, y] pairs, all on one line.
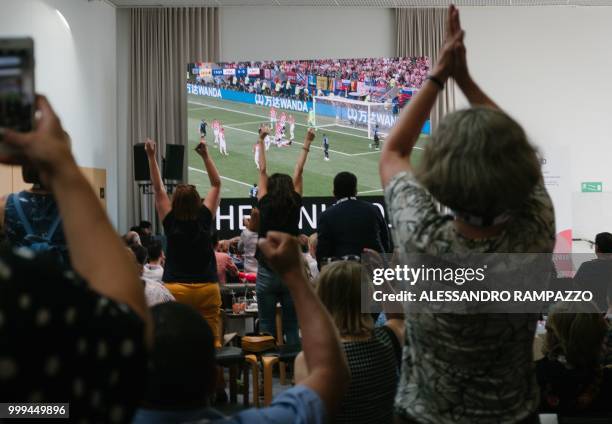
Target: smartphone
{"points": [[17, 84]]}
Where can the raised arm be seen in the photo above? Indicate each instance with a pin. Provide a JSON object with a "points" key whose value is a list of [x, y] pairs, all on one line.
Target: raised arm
{"points": [[111, 274], [299, 166], [462, 76], [325, 358], [213, 197], [262, 184], [395, 156], [162, 201]]}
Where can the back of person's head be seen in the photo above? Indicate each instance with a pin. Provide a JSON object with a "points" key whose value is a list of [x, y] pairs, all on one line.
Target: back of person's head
{"points": [[339, 288], [131, 238], [603, 243], [155, 250], [186, 202], [312, 244], [214, 238], [137, 265], [145, 226], [281, 194], [479, 161], [30, 175], [140, 254], [182, 370], [576, 331], [253, 222], [345, 185]]}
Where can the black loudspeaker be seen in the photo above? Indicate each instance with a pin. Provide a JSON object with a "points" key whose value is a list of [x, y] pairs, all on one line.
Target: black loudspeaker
{"points": [[173, 165], [141, 163]]}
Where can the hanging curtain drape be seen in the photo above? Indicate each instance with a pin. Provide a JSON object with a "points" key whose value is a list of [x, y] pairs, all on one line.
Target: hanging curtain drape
{"points": [[420, 32], [162, 42]]}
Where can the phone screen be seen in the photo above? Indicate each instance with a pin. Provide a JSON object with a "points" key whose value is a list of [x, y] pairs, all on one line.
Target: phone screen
{"points": [[17, 83]]}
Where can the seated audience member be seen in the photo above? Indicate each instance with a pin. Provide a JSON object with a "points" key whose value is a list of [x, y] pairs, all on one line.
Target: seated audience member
{"points": [[154, 268], [178, 389], [373, 354], [64, 339], [146, 228], [311, 262], [571, 378], [31, 218], [350, 225], [182, 370], [465, 368], [596, 275], [145, 231], [155, 291], [247, 244], [312, 250], [225, 264], [132, 238], [190, 271]]}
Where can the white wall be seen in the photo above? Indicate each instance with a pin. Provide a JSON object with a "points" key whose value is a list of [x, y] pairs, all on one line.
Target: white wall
{"points": [[76, 70], [123, 144], [550, 68], [259, 33]]}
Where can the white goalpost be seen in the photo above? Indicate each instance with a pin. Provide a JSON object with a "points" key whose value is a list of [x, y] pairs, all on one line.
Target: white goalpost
{"points": [[334, 111]]}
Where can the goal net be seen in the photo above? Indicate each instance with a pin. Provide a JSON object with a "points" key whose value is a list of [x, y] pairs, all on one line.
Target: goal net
{"points": [[366, 117]]}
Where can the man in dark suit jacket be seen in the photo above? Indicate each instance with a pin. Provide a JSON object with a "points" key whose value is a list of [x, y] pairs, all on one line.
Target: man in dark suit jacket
{"points": [[596, 275], [350, 225]]}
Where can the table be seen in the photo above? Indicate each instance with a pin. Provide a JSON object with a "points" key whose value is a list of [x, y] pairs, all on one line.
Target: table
{"points": [[240, 323]]}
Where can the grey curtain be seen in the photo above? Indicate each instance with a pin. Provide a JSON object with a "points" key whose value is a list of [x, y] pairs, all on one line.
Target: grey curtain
{"points": [[420, 32], [162, 42]]}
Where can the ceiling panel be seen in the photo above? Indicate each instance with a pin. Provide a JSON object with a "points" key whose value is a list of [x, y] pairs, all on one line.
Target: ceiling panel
{"points": [[356, 3]]}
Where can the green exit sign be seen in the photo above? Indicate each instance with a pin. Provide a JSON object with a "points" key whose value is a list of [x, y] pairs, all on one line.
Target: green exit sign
{"points": [[591, 187]]}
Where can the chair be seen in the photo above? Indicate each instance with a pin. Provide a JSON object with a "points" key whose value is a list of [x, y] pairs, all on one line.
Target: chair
{"points": [[237, 361], [283, 355]]}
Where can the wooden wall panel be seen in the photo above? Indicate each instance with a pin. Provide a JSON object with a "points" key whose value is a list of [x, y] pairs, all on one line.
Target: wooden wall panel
{"points": [[18, 183], [6, 180]]}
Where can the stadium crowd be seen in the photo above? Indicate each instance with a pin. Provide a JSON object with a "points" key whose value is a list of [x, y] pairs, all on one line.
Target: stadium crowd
{"points": [[131, 330], [369, 77]]}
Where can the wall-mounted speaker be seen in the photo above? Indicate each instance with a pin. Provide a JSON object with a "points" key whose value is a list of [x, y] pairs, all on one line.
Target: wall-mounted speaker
{"points": [[173, 165], [141, 163]]}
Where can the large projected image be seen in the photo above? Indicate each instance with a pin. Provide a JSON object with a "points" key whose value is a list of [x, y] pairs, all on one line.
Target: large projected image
{"points": [[352, 104]]}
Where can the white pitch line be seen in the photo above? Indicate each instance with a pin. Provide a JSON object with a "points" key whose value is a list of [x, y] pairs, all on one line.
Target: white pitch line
{"points": [[225, 178], [378, 151], [265, 117], [296, 142], [247, 123], [370, 191]]}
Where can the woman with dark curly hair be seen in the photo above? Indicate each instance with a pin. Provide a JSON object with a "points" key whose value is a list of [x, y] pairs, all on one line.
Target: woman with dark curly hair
{"points": [[280, 202]]}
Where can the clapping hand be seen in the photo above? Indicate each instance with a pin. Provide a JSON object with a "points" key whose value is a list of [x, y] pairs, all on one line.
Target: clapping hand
{"points": [[451, 59]]}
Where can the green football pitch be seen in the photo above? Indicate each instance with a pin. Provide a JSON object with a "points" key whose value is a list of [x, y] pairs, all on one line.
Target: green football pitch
{"points": [[349, 151]]}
